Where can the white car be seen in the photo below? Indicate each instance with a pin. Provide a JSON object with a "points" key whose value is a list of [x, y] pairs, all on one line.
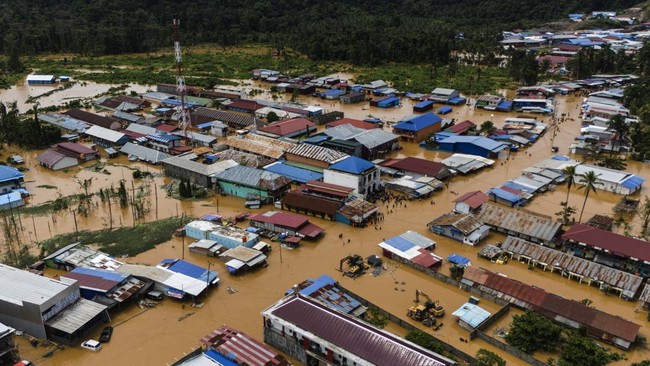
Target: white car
{"points": [[92, 345]]}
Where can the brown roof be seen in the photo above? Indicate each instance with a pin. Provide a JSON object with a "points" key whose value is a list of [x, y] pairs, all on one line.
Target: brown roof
{"points": [[354, 122], [519, 221], [134, 100], [288, 126], [242, 349], [606, 240], [296, 199], [462, 127], [363, 340], [329, 188], [474, 199], [248, 105], [91, 118], [419, 166], [465, 223], [75, 148]]}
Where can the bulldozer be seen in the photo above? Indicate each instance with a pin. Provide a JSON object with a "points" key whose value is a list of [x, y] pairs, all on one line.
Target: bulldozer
{"points": [[431, 307], [356, 266]]}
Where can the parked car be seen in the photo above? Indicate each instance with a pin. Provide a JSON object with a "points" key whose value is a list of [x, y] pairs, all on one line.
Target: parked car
{"points": [[155, 295], [92, 345], [24, 363], [107, 332]]}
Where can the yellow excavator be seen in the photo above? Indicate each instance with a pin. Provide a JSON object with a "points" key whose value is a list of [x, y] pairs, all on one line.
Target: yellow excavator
{"points": [[356, 266], [427, 312]]}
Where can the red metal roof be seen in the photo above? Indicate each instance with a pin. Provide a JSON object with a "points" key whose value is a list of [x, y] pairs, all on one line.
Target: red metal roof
{"points": [[354, 122], [76, 148], [329, 188], [415, 165], [311, 230], [296, 199], [609, 241], [242, 349], [249, 105], [363, 340], [166, 128], [289, 126], [462, 127], [527, 293], [474, 199], [426, 259], [280, 218], [92, 282], [91, 118]]}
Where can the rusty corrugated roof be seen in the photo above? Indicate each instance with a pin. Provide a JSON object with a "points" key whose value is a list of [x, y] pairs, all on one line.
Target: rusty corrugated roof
{"points": [[519, 221]]}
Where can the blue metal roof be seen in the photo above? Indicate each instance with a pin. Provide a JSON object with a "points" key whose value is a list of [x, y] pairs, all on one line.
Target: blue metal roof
{"points": [[483, 142], [444, 109], [219, 359], [424, 104], [317, 284], [352, 164], [332, 93], [399, 243], [458, 259], [388, 101], [315, 140], [505, 195], [299, 175], [518, 187], [417, 123], [506, 104], [9, 173], [177, 102], [633, 182], [163, 137], [191, 270], [456, 100], [105, 275]]}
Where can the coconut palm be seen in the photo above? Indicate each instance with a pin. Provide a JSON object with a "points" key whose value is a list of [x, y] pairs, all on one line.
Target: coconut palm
{"points": [[570, 172], [617, 124], [589, 181]]}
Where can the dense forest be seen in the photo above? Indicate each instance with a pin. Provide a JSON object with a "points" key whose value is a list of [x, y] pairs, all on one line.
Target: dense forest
{"points": [[362, 31]]}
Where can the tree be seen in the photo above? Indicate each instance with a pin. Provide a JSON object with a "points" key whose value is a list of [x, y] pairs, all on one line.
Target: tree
{"points": [[643, 213], [487, 128], [589, 181], [565, 214], [424, 340], [272, 117], [642, 363], [617, 124], [570, 172], [488, 358], [530, 332], [580, 351]]}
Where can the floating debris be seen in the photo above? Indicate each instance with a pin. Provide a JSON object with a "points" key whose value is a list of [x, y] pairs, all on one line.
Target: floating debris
{"points": [[180, 318]]}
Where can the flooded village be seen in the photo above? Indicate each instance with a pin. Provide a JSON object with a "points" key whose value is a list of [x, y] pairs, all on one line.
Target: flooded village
{"points": [[326, 208]]}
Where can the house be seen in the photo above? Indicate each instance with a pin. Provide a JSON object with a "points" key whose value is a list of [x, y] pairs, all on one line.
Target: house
{"points": [[119, 106], [364, 143], [238, 349], [351, 121], [219, 129], [509, 195], [288, 128], [465, 164], [297, 174], [8, 347], [418, 128], [243, 105], [423, 106], [12, 199], [569, 264], [325, 290], [207, 247], [313, 155], [64, 122], [412, 247], [106, 287], [163, 142], [46, 308], [242, 259], [460, 226], [608, 248], [418, 166], [76, 150], [94, 119], [227, 237], [444, 95], [10, 179], [33, 79], [600, 325], [353, 97], [461, 128], [416, 186], [385, 102], [370, 87], [470, 202], [354, 172], [475, 145], [286, 223], [191, 270], [205, 175], [489, 102], [106, 137], [192, 138], [242, 181], [234, 120], [611, 180], [143, 153], [259, 145], [55, 160], [536, 228], [314, 333], [471, 316]]}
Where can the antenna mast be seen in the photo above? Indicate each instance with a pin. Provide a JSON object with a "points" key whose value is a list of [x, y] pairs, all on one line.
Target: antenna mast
{"points": [[184, 115]]}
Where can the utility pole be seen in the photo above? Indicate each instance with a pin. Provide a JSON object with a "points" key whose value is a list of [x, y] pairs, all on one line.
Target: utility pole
{"points": [[207, 281]]}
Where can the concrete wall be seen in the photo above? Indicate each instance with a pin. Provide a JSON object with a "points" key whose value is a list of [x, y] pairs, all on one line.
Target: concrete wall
{"points": [[286, 345]]}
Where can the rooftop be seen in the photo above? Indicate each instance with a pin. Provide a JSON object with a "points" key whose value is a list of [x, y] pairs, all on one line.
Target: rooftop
{"points": [[353, 165], [242, 349], [615, 244], [417, 123], [521, 222], [18, 286], [316, 152]]}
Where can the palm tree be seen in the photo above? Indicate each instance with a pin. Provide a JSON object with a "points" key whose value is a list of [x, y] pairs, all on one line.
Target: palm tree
{"points": [[617, 124], [570, 172], [589, 181]]}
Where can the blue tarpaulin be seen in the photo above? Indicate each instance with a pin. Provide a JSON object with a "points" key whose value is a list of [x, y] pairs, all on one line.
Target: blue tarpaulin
{"points": [[458, 260], [456, 101]]}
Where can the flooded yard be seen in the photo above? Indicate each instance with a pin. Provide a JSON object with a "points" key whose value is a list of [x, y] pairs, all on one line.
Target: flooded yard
{"points": [[158, 336]]}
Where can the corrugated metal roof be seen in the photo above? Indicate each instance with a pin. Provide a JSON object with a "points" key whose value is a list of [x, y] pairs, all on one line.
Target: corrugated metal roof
{"points": [[181, 161], [289, 126], [259, 145], [362, 340], [253, 177], [343, 132], [166, 277], [606, 240], [17, 286], [144, 153], [242, 349], [145, 130], [64, 121], [242, 253], [417, 123], [519, 222], [483, 142], [465, 223], [375, 137], [625, 281], [104, 134], [419, 166], [474, 199], [471, 314], [316, 152], [280, 218], [50, 157], [232, 119], [76, 316], [352, 164], [294, 173], [296, 199]]}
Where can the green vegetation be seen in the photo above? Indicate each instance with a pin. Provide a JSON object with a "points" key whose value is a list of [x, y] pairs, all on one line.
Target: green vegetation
{"points": [[642, 363], [488, 358], [28, 132], [424, 340], [581, 351], [128, 241], [374, 317], [530, 332], [60, 203]]}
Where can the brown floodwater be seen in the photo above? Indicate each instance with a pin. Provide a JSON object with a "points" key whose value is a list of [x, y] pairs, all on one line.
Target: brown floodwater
{"points": [[157, 336]]}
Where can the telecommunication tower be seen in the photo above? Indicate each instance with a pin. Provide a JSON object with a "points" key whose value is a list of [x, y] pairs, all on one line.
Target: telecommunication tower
{"points": [[183, 115]]}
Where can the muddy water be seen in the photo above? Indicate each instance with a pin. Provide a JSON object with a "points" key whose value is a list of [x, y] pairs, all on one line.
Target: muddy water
{"points": [[156, 336], [20, 93]]}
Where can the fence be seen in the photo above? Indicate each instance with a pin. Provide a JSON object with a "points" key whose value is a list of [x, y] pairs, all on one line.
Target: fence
{"points": [[508, 348]]}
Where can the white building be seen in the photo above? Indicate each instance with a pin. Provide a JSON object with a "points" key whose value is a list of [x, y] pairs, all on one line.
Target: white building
{"points": [[353, 172], [611, 180]]}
